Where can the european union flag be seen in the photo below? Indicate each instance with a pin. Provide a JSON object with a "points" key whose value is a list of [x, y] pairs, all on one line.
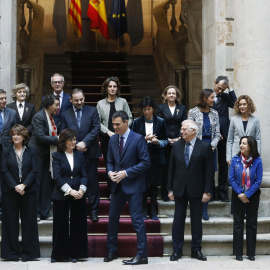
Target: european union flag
{"points": [[118, 19]]}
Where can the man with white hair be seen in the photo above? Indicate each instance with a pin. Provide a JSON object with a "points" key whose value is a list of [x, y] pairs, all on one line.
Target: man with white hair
{"points": [[57, 83], [190, 179]]}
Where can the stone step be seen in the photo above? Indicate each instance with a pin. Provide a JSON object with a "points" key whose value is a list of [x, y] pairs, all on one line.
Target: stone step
{"points": [[214, 226], [218, 245], [216, 208]]}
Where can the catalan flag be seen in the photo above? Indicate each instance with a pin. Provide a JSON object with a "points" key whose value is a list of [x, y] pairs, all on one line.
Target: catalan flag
{"points": [[118, 18], [97, 13], [74, 16]]}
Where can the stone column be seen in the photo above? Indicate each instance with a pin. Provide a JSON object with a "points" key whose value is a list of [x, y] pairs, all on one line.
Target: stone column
{"points": [[8, 30], [252, 71]]}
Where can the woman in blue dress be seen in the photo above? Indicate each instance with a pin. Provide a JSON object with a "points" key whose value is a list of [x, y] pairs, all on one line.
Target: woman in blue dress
{"points": [[208, 127]]}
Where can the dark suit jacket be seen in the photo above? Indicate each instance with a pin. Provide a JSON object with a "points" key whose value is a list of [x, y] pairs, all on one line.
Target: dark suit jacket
{"points": [[198, 177], [40, 139], [62, 173], [227, 100], [9, 122], [159, 128], [28, 114], [10, 169], [88, 131], [135, 160], [173, 122], [65, 105]]}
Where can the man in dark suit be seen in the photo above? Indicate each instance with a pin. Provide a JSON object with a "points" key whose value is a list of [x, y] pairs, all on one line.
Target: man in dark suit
{"points": [[222, 103], [7, 121], [25, 111], [84, 120], [190, 180], [58, 82], [127, 161]]}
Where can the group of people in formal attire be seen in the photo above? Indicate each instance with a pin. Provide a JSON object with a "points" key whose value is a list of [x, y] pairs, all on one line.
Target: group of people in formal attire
{"points": [[52, 156]]}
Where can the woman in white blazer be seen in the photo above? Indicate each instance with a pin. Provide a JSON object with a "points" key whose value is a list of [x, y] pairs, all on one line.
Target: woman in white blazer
{"points": [[242, 124]]}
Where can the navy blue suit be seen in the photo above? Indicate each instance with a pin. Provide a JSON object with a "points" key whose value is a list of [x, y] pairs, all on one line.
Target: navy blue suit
{"points": [[135, 160], [65, 105], [88, 133], [227, 100]]}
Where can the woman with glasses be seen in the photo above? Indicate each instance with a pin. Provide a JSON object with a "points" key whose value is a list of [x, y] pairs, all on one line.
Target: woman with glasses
{"points": [[242, 124], [245, 178]]}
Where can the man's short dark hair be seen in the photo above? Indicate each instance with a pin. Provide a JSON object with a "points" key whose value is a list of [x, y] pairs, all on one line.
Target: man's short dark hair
{"points": [[122, 114], [76, 91], [222, 78], [2, 91]]}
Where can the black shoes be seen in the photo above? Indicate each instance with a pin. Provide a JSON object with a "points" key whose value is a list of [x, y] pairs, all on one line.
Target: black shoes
{"points": [[136, 260], [94, 217], [176, 256], [198, 255], [110, 257], [239, 258], [251, 258]]}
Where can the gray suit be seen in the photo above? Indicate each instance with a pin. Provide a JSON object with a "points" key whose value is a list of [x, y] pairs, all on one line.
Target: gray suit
{"points": [[236, 131]]}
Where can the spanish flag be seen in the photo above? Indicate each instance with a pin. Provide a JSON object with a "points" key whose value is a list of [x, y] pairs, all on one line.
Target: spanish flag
{"points": [[74, 16], [97, 13]]}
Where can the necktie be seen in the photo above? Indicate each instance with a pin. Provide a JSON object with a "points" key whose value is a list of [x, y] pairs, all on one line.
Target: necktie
{"points": [[79, 117], [218, 101], [186, 153], [20, 105], [58, 97], [1, 121], [121, 146]]}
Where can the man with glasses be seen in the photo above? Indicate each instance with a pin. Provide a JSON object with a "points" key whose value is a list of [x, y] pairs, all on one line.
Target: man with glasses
{"points": [[222, 103], [58, 82]]}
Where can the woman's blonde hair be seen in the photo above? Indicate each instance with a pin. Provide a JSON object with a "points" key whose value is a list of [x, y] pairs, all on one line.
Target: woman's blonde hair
{"points": [[18, 87], [178, 94]]}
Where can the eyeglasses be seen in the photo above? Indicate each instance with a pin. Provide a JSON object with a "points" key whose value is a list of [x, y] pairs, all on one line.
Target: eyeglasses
{"points": [[57, 82]]}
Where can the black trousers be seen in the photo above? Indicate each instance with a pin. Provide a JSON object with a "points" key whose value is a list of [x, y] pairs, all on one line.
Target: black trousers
{"points": [[69, 229], [178, 227], [222, 166], [251, 210], [16, 206], [44, 187], [92, 184], [165, 170]]}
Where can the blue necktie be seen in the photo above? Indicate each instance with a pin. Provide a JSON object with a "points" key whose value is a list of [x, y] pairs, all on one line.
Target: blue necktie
{"points": [[121, 146], [1, 121], [79, 117], [186, 153]]}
